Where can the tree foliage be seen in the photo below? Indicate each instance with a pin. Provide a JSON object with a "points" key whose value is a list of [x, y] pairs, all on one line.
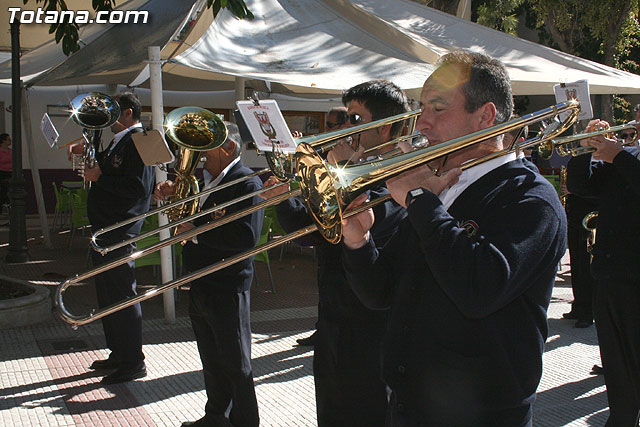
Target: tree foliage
{"points": [[67, 33], [606, 31]]}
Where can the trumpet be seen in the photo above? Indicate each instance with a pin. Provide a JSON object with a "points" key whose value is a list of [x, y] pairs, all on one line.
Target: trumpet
{"points": [[93, 111], [280, 165], [326, 204], [564, 146]]}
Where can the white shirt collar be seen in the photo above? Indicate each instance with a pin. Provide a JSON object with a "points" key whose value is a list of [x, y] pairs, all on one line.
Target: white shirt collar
{"points": [[118, 136], [471, 175], [210, 182]]}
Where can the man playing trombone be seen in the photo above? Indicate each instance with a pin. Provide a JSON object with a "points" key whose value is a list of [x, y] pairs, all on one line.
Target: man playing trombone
{"points": [[122, 187], [219, 303], [613, 179], [469, 273], [346, 360]]}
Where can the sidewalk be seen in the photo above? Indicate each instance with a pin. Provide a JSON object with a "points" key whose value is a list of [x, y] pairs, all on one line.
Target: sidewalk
{"points": [[44, 380]]}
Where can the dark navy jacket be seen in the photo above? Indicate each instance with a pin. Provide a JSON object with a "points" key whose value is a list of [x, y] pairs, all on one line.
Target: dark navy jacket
{"points": [[468, 291], [122, 191], [337, 302], [230, 239], [616, 185]]}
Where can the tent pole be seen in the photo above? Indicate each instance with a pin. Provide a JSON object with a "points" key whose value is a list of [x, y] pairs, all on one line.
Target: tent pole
{"points": [[35, 170], [18, 251], [157, 118]]}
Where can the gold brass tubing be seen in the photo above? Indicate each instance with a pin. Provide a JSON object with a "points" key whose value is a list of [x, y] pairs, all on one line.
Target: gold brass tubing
{"points": [[320, 140], [105, 250], [76, 321], [558, 144], [328, 189]]}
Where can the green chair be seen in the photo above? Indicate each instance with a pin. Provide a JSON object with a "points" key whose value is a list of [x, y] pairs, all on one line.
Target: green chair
{"points": [[154, 259], [264, 255], [276, 228], [63, 206], [79, 218], [150, 223]]}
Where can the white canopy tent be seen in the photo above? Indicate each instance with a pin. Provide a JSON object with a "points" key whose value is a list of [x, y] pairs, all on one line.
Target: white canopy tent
{"points": [[303, 47], [329, 45]]}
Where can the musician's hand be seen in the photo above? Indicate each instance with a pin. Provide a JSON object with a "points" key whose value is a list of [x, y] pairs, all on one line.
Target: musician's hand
{"points": [[420, 177], [593, 126], [163, 190], [297, 134], [606, 149], [76, 149], [355, 229], [270, 182], [345, 151], [92, 174]]}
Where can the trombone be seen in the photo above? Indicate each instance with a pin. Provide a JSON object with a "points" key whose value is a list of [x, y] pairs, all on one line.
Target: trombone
{"points": [[279, 164], [349, 182], [563, 146], [328, 189]]}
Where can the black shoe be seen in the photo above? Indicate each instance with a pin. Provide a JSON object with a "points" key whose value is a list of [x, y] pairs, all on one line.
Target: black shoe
{"points": [[104, 364], [123, 375], [583, 323], [308, 341], [597, 370], [570, 315]]}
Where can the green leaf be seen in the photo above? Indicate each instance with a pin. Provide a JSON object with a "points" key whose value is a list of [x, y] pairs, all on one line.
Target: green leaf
{"points": [[60, 32]]}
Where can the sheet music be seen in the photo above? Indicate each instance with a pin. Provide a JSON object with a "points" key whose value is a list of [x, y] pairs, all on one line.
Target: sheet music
{"points": [[49, 130], [577, 90], [267, 125]]}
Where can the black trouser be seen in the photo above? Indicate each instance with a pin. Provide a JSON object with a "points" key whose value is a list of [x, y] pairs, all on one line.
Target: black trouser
{"points": [[617, 315], [453, 413], [582, 282], [221, 323], [347, 374], [122, 329]]}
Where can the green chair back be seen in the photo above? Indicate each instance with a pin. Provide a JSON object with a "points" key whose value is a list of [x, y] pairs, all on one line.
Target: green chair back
{"points": [[79, 216], [62, 199], [264, 237], [150, 223]]}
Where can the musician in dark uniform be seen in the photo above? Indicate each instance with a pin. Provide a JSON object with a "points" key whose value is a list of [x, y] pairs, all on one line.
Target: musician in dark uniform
{"points": [[612, 174], [121, 188], [346, 360], [219, 303], [468, 275]]}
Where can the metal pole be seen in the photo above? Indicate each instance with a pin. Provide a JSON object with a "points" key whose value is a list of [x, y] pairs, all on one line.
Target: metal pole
{"points": [[17, 251], [157, 118], [35, 170]]}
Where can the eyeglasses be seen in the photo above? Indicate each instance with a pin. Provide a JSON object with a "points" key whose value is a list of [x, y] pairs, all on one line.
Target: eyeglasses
{"points": [[627, 135], [355, 119]]}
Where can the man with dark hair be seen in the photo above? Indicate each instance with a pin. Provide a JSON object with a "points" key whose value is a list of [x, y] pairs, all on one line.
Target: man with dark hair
{"points": [[336, 119], [121, 188], [219, 303], [346, 360], [469, 273], [611, 174]]}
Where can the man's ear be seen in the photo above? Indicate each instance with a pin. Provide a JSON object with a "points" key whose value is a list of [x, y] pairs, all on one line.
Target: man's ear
{"points": [[486, 115], [384, 132], [231, 149]]}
